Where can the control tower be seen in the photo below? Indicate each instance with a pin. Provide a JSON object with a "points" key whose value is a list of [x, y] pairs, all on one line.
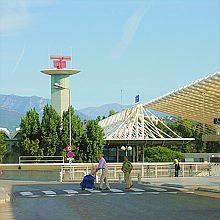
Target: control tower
{"points": [[60, 82]]}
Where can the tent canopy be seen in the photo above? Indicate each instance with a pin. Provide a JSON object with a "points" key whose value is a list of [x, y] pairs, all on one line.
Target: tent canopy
{"points": [[198, 101]]}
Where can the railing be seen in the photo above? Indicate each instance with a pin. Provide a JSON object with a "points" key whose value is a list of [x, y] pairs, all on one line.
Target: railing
{"points": [[41, 159], [76, 171]]}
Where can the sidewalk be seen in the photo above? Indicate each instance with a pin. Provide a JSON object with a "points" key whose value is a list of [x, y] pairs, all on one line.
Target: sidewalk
{"points": [[207, 183], [4, 197]]}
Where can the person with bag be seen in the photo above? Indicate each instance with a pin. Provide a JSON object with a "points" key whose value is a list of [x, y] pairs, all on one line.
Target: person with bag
{"points": [[177, 167], [127, 168], [104, 176]]}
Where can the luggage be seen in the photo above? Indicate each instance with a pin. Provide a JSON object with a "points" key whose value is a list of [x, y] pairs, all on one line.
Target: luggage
{"points": [[88, 182]]}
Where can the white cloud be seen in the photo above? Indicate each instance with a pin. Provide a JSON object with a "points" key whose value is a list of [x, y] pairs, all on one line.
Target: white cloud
{"points": [[16, 14], [128, 31]]}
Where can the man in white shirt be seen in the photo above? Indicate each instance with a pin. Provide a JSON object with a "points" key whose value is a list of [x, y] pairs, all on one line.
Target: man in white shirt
{"points": [[103, 166]]}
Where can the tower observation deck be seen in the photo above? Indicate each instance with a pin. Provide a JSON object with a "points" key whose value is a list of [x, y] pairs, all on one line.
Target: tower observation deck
{"points": [[60, 82]]}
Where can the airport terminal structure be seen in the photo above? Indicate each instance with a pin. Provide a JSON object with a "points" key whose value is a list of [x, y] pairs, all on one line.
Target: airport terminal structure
{"points": [[138, 127]]}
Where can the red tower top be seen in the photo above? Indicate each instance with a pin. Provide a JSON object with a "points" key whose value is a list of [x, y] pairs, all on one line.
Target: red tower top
{"points": [[59, 62]]}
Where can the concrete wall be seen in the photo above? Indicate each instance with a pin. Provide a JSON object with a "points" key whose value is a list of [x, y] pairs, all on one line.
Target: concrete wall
{"points": [[60, 97]]}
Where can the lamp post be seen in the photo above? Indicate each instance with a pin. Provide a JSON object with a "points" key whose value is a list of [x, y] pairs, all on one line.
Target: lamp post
{"points": [[58, 86], [126, 149]]}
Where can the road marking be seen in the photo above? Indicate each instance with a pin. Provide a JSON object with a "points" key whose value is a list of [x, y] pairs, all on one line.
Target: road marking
{"points": [[69, 194], [26, 193], [137, 190], [190, 192], [171, 192], [119, 193], [156, 193], [70, 191], [49, 192], [103, 194], [158, 189], [85, 194], [34, 196], [116, 190], [136, 193], [93, 190]]}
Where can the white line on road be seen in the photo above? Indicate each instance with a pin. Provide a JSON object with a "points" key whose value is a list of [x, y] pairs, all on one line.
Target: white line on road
{"points": [[49, 192], [116, 190], [158, 189], [85, 194], [93, 190], [156, 193], [34, 196], [103, 194], [137, 190], [136, 193], [70, 191], [26, 193], [171, 192]]}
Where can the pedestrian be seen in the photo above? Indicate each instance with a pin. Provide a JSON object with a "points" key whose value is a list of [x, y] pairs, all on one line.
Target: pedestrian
{"points": [[127, 168], [177, 167], [104, 176]]}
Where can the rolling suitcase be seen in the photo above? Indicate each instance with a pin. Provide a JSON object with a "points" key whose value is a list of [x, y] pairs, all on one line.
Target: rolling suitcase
{"points": [[87, 182]]}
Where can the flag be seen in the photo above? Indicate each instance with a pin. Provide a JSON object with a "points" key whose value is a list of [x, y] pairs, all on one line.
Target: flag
{"points": [[137, 98]]}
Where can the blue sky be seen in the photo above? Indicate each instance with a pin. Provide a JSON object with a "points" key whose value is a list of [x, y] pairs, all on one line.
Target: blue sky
{"points": [[142, 47]]}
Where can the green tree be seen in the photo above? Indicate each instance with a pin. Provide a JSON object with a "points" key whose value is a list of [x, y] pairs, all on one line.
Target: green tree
{"points": [[96, 140], [50, 132], [112, 112], [161, 154], [76, 130], [4, 152], [30, 131]]}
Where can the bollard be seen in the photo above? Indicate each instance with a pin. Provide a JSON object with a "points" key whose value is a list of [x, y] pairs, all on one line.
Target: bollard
{"points": [[61, 176], [139, 178], [120, 178]]}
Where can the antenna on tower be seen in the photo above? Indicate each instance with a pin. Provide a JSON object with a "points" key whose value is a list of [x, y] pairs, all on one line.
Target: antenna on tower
{"points": [[48, 54], [71, 54]]}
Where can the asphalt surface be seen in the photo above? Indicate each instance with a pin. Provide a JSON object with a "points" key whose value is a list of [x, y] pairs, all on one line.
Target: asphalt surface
{"points": [[68, 201]]}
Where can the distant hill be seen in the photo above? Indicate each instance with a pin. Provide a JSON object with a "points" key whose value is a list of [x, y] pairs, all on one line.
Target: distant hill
{"points": [[103, 110], [22, 104], [9, 119], [13, 107]]}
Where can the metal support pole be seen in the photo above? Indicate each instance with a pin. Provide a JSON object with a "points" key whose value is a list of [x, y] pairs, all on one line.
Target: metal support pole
{"points": [[143, 153], [133, 154], [70, 134], [117, 155]]}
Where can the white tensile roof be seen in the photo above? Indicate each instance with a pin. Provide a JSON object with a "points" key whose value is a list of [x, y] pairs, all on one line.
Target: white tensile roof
{"points": [[198, 101], [140, 125]]}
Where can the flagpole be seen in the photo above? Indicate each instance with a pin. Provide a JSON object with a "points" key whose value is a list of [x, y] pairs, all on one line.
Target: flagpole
{"points": [[121, 100]]}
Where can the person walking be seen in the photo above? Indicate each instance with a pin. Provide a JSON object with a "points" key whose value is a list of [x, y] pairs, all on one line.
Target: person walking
{"points": [[177, 167], [104, 176], [127, 168]]}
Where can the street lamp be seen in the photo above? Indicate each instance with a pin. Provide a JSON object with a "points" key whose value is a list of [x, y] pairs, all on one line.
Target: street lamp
{"points": [[126, 149], [58, 86]]}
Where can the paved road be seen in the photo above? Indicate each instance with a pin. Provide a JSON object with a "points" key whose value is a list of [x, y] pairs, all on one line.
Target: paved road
{"points": [[68, 201]]}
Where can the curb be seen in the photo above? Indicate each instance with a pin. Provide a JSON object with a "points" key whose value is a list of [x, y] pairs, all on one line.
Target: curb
{"points": [[207, 190], [172, 185], [4, 197]]}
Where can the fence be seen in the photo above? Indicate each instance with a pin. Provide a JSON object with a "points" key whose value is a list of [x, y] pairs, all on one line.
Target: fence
{"points": [[75, 172], [41, 159]]}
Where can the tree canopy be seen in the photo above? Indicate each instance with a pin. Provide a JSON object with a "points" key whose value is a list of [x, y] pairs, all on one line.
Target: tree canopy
{"points": [[50, 137], [3, 148], [161, 154]]}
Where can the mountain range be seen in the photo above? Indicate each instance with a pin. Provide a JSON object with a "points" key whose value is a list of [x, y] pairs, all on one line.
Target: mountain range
{"points": [[13, 107]]}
